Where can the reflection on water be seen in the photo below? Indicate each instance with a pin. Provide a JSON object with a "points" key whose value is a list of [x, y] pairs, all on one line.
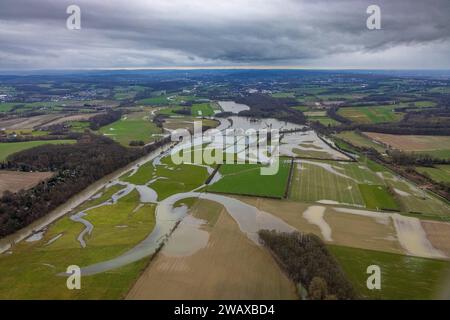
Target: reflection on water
{"points": [[187, 239], [249, 219]]}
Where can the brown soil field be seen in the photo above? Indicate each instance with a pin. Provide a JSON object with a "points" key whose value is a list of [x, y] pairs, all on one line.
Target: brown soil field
{"points": [[438, 233], [347, 229], [227, 266], [77, 117], [14, 180], [28, 123], [411, 142]]}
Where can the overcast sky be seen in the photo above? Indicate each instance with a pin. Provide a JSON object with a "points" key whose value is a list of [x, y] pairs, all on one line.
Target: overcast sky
{"points": [[169, 33]]}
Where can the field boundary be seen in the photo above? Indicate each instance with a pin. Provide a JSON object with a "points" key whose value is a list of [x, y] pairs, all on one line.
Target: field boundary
{"points": [[211, 176], [338, 150], [246, 194], [288, 184]]}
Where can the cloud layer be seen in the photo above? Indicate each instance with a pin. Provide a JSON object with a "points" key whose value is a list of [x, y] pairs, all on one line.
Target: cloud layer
{"points": [[161, 33]]}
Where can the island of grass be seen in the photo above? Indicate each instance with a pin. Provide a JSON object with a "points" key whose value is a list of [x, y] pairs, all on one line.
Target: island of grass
{"points": [[246, 179], [8, 148], [167, 178]]}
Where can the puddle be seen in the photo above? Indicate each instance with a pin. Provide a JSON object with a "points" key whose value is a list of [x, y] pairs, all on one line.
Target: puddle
{"points": [[49, 242], [36, 236]]}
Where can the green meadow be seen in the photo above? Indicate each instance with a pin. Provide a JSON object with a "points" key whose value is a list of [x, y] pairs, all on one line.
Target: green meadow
{"points": [[402, 277], [246, 179], [378, 197], [173, 178], [39, 263], [8, 148], [438, 173], [203, 109], [360, 140], [131, 128], [372, 114]]}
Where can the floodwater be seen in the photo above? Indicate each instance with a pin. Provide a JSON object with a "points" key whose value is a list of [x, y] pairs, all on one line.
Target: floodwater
{"points": [[231, 106], [314, 215], [409, 230], [307, 141], [187, 239], [72, 203], [249, 219]]}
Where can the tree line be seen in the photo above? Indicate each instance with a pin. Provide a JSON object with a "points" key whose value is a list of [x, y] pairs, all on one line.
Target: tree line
{"points": [[76, 166], [264, 106], [308, 262]]}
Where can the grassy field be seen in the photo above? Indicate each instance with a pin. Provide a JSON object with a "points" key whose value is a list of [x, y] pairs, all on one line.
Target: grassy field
{"points": [[378, 197], [175, 178], [8, 148], [154, 101], [170, 111], [246, 179], [30, 272], [415, 200], [203, 109], [402, 277], [324, 120], [360, 141], [79, 126], [375, 114], [187, 123], [358, 184], [313, 182], [7, 106], [131, 128], [437, 146], [439, 173]]}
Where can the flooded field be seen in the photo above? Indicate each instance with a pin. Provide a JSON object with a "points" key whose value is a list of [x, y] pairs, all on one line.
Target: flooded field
{"points": [[203, 245], [231, 106], [215, 260]]}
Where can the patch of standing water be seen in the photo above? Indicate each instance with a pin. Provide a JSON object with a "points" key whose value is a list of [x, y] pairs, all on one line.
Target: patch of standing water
{"points": [[314, 215], [231, 106], [88, 230], [187, 239], [410, 233], [147, 194], [36, 236], [49, 242], [249, 219]]}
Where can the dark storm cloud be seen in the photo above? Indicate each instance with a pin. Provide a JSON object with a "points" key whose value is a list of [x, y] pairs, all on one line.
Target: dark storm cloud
{"points": [[142, 33]]}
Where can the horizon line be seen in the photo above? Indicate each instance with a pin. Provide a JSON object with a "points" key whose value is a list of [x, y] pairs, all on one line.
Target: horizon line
{"points": [[231, 67]]}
